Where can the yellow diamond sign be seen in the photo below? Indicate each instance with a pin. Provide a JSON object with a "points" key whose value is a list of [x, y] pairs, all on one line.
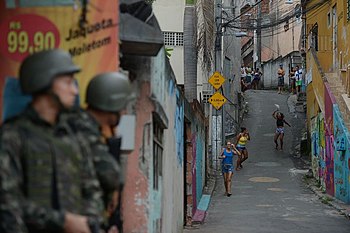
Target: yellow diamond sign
{"points": [[216, 80], [217, 100]]}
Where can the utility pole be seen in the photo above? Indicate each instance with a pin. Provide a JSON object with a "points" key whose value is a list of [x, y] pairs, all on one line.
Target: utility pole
{"points": [[218, 38], [218, 67], [258, 37]]}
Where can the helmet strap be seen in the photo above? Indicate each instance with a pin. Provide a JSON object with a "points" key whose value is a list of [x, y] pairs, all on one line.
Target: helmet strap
{"points": [[57, 100]]}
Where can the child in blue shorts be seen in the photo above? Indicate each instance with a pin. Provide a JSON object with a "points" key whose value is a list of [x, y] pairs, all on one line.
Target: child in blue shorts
{"points": [[227, 165]]}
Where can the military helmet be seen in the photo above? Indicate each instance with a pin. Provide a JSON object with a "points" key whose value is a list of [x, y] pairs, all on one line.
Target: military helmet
{"points": [[38, 70], [108, 92]]}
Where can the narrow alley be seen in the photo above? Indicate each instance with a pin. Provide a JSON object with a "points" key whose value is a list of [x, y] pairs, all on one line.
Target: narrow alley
{"points": [[268, 193]]}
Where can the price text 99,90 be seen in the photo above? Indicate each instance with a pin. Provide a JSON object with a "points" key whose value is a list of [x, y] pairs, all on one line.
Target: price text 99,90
{"points": [[19, 41], [19, 38]]}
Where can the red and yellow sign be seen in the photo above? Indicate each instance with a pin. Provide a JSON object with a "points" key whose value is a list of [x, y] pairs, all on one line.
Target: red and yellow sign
{"points": [[94, 47], [21, 38]]}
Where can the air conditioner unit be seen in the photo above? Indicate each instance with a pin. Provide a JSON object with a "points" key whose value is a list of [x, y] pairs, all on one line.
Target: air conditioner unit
{"points": [[289, 2]]}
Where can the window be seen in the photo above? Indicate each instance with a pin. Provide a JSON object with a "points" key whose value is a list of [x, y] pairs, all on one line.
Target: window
{"points": [[314, 37], [158, 132], [348, 9], [173, 38], [206, 97], [329, 19]]}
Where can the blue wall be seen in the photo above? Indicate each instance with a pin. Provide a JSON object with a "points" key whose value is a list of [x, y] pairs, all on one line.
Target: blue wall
{"points": [[341, 157]]}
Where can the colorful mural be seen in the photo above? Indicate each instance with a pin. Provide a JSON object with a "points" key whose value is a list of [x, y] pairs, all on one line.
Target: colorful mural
{"points": [[179, 127], [329, 159], [315, 148], [341, 157], [319, 152], [329, 139], [200, 148], [322, 151]]}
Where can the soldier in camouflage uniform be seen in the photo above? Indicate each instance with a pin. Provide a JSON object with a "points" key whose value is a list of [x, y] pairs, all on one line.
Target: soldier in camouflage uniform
{"points": [[107, 96], [47, 182]]}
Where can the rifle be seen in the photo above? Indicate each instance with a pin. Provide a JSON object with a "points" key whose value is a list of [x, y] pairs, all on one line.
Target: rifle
{"points": [[115, 219]]}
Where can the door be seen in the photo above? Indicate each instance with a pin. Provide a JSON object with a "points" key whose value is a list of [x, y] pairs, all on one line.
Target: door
{"points": [[335, 37]]}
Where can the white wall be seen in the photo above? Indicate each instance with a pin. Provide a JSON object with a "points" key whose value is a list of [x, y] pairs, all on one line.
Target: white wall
{"points": [[276, 41], [170, 15], [232, 50], [177, 63], [169, 204]]}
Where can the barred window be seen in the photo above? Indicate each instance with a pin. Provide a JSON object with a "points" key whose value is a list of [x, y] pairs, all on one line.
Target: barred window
{"points": [[206, 97], [173, 38], [348, 9], [158, 132]]}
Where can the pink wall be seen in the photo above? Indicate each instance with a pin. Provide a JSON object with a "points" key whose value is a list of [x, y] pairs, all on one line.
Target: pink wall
{"points": [[329, 153], [329, 100], [135, 194], [194, 174]]}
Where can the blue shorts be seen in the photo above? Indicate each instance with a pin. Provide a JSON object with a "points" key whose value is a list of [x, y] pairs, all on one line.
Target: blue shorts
{"points": [[280, 130], [227, 168], [240, 147]]}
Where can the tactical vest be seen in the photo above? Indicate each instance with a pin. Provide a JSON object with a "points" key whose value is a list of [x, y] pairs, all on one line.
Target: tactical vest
{"points": [[53, 167], [55, 172]]}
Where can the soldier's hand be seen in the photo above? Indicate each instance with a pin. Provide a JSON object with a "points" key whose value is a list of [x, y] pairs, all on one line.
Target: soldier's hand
{"points": [[113, 203], [107, 131], [76, 224]]}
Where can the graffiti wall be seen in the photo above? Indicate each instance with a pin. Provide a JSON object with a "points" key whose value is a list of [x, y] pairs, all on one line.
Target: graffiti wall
{"points": [[196, 159], [169, 104], [173, 160], [329, 159], [329, 139], [198, 130], [315, 148], [322, 152], [318, 148], [341, 157]]}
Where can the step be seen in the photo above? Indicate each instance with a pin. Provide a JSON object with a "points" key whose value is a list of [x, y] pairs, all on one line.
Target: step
{"points": [[331, 75], [336, 86]]}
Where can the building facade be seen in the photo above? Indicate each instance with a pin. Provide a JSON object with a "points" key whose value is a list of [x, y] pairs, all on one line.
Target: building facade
{"points": [[281, 27], [327, 78]]}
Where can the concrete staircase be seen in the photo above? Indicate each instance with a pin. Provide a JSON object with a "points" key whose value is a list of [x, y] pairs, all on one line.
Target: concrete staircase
{"points": [[338, 90]]}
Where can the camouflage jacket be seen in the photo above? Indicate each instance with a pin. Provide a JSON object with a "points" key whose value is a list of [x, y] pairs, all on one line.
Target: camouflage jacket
{"points": [[43, 174], [107, 168]]}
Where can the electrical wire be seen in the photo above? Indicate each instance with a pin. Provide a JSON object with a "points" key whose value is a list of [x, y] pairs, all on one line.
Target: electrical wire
{"points": [[231, 24], [249, 9], [244, 12]]}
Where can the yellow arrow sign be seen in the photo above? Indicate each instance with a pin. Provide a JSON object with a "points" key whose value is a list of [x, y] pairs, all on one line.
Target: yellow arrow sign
{"points": [[216, 80], [217, 100]]}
